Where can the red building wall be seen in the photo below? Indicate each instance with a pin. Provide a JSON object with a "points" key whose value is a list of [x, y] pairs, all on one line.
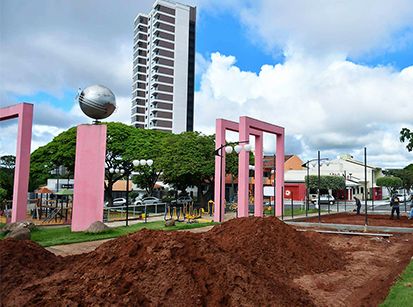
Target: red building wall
{"points": [[294, 190]]}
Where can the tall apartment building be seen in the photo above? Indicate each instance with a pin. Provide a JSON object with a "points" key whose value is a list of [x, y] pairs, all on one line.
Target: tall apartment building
{"points": [[163, 68]]}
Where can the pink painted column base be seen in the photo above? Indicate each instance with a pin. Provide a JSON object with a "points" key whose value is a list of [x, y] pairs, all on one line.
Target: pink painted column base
{"points": [[89, 176]]}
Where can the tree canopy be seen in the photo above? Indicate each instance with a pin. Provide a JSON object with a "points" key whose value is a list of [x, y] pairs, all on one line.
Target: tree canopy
{"points": [[389, 182], [188, 159], [326, 182], [407, 136], [7, 165], [182, 160], [405, 174]]}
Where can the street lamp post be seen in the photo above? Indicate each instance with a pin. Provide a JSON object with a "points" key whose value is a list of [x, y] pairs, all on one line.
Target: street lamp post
{"points": [[345, 191], [125, 168], [219, 152], [372, 189], [149, 163], [307, 165]]}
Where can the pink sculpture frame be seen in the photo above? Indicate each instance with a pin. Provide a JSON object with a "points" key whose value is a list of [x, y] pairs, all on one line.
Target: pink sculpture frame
{"points": [[248, 126], [24, 113]]}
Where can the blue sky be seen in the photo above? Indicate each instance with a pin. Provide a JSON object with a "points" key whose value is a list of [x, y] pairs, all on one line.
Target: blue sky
{"points": [[337, 75], [226, 31]]}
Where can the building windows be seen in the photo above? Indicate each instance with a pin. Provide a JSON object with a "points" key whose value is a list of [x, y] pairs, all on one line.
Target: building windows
{"points": [[158, 46]]}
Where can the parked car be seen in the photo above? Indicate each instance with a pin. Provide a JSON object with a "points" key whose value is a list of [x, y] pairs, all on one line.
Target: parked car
{"points": [[117, 202], [402, 197], [147, 201], [183, 200], [325, 199]]}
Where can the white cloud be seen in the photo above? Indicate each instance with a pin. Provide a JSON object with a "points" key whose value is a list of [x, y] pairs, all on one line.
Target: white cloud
{"points": [[321, 27], [335, 106]]}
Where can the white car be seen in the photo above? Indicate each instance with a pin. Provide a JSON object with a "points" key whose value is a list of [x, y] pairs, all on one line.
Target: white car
{"points": [[183, 200], [147, 201], [325, 199], [117, 202]]}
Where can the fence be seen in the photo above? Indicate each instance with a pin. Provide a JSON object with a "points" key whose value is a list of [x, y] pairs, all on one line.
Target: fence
{"points": [[118, 213]]}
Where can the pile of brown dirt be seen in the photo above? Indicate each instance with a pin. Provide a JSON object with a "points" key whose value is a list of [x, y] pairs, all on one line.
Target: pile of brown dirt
{"points": [[22, 262], [248, 261]]}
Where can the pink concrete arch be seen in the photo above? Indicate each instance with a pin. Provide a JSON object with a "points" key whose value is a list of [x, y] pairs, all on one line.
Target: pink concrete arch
{"points": [[247, 127], [24, 113]]}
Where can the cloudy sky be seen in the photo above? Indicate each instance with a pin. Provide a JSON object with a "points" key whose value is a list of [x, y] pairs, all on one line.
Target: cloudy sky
{"points": [[338, 75]]}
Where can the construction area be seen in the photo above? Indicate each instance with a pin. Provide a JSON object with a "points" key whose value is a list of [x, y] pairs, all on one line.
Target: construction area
{"points": [[246, 261]]}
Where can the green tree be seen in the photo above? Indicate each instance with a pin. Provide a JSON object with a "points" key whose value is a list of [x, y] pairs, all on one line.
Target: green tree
{"points": [[389, 182], [7, 165], [188, 160], [62, 149], [326, 182], [8, 162], [148, 144], [405, 174], [3, 197], [407, 136]]}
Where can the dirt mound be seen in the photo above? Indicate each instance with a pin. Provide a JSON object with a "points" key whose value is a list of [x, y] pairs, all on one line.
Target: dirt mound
{"points": [[270, 242], [22, 262], [249, 261]]}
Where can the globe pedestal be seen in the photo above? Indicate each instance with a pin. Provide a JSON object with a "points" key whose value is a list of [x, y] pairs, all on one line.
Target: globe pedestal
{"points": [[89, 176]]}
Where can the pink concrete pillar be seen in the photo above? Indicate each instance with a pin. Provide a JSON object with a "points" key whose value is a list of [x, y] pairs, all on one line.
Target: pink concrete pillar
{"points": [[24, 113], [243, 170], [279, 173], [89, 176], [259, 172], [219, 196]]}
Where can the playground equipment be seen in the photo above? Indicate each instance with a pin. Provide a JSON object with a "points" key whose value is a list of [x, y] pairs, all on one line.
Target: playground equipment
{"points": [[187, 212]]}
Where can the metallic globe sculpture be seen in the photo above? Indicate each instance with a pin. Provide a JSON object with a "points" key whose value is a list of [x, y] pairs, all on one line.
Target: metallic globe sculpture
{"points": [[97, 102]]}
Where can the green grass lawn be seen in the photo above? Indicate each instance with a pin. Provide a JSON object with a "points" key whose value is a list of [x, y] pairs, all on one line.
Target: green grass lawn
{"points": [[401, 294], [48, 236], [287, 212]]}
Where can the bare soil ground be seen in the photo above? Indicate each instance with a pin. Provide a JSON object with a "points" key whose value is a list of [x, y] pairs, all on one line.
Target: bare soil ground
{"points": [[352, 218], [372, 265], [242, 262]]}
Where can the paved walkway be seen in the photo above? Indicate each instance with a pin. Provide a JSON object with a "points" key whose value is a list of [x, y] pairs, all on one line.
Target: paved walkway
{"points": [[76, 248], [86, 247]]}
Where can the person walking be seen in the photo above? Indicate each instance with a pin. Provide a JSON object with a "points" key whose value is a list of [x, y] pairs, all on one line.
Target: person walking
{"points": [[358, 205], [395, 206], [411, 207]]}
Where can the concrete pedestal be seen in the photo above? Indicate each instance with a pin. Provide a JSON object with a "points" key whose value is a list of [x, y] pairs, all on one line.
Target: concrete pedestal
{"points": [[89, 176]]}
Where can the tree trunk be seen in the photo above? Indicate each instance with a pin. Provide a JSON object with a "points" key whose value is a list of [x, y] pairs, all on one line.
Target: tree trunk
{"points": [[108, 192]]}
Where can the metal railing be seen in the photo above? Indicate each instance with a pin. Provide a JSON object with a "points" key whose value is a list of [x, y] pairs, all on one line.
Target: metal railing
{"points": [[118, 213]]}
